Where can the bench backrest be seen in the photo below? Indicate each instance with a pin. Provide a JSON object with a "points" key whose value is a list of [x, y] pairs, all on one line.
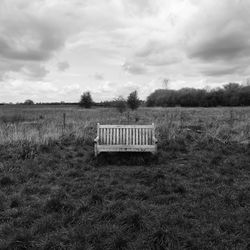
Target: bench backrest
{"points": [[126, 134]]}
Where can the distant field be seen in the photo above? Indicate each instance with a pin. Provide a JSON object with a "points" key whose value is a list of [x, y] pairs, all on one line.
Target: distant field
{"points": [[40, 123], [195, 194]]}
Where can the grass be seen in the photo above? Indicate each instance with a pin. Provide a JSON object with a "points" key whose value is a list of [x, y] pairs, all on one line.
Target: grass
{"points": [[194, 195]]}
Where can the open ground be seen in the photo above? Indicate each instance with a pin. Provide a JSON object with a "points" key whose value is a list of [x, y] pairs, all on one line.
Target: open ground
{"points": [[195, 194]]}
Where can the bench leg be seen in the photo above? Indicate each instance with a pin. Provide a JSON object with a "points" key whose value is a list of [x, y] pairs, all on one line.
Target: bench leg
{"points": [[96, 151]]}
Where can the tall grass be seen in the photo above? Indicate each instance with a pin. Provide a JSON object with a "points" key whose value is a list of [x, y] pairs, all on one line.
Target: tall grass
{"points": [[41, 124]]}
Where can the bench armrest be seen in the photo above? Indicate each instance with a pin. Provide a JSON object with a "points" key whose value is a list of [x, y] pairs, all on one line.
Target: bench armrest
{"points": [[96, 140], [155, 140]]}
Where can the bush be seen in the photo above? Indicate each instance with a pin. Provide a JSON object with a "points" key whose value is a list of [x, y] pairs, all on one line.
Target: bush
{"points": [[133, 100], [86, 100], [28, 102], [120, 104]]}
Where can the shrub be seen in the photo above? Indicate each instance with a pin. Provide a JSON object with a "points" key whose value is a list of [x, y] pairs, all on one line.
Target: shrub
{"points": [[120, 104], [86, 100], [28, 102], [133, 100]]}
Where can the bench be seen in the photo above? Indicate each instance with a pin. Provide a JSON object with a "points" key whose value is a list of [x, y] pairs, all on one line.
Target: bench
{"points": [[125, 138]]}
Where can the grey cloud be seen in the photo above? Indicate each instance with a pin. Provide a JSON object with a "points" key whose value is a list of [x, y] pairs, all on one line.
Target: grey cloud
{"points": [[222, 34], [217, 39], [220, 71], [134, 68], [27, 40], [98, 76], [151, 47], [158, 53], [62, 66], [35, 71], [37, 41], [227, 47]]}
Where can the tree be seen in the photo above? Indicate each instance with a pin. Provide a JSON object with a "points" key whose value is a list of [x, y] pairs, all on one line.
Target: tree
{"points": [[120, 104], [133, 100], [86, 100], [28, 102]]}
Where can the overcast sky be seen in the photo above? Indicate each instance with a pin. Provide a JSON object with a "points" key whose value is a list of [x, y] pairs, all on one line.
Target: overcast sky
{"points": [[53, 50]]}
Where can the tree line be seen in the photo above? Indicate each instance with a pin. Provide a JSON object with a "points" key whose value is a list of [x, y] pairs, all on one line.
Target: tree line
{"points": [[232, 94], [120, 103]]}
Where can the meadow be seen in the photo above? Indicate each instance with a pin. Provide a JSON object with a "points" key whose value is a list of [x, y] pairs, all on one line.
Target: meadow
{"points": [[195, 194]]}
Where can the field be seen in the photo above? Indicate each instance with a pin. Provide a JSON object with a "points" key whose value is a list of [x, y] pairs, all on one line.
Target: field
{"points": [[195, 194]]}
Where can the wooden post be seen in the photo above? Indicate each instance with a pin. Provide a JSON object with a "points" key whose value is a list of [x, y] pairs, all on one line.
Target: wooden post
{"points": [[64, 120], [64, 123]]}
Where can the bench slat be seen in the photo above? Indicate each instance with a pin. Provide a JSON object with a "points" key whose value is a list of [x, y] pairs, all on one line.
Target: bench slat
{"points": [[140, 136], [127, 126], [126, 135], [125, 138], [143, 136]]}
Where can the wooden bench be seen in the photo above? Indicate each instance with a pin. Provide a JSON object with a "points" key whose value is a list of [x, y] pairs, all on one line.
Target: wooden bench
{"points": [[125, 138]]}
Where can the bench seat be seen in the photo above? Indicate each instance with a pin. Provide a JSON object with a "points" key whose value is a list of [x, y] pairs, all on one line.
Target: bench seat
{"points": [[125, 138]]}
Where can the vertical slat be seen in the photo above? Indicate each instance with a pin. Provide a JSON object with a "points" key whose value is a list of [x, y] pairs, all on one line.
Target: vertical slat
{"points": [[119, 139], [143, 136], [102, 133], [150, 137], [146, 136], [113, 139], [133, 136], [117, 136], [121, 136], [136, 136], [126, 136], [111, 136], [140, 136], [107, 136], [130, 136]]}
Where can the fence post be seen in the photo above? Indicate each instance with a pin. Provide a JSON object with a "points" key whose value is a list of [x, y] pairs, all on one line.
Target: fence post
{"points": [[64, 122]]}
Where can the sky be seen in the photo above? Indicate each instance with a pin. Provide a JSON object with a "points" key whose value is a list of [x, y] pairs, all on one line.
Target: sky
{"points": [[54, 50]]}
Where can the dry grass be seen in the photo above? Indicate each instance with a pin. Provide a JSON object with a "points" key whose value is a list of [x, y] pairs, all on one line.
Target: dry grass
{"points": [[39, 124], [55, 195]]}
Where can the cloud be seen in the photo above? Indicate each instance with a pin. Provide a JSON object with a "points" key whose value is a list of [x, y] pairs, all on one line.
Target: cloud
{"points": [[221, 71], [133, 68], [29, 37], [62, 66], [132, 43], [98, 76], [221, 33]]}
